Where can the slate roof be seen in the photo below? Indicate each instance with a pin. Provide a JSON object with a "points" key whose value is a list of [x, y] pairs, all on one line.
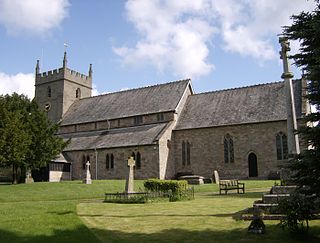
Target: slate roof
{"points": [[147, 100], [259, 103], [122, 137]]}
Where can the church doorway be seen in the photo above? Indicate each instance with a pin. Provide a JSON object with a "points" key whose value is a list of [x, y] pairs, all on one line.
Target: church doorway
{"points": [[253, 165]]}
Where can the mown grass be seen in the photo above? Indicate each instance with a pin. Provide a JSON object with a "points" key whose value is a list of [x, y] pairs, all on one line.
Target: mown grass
{"points": [[74, 212]]}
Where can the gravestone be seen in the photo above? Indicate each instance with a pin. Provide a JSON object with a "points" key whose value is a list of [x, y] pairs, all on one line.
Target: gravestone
{"points": [[216, 177], [29, 178], [88, 180], [130, 178]]}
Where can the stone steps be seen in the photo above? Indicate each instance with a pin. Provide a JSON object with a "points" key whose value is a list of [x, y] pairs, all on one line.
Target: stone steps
{"points": [[274, 198], [282, 189]]}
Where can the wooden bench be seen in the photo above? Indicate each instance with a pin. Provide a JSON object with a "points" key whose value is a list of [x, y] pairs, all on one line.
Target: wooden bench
{"points": [[226, 185]]}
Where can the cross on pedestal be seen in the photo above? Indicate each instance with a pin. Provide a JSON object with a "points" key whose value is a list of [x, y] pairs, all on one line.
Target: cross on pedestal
{"points": [[129, 181]]}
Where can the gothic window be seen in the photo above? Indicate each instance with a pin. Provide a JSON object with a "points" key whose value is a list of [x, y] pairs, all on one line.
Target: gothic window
{"points": [[138, 120], [49, 91], [183, 149], [78, 93], [160, 117], [228, 149], [186, 153], [111, 161], [133, 155], [107, 162], [138, 161], [84, 162], [282, 146]]}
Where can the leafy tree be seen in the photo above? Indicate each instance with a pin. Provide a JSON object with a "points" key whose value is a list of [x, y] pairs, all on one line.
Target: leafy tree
{"points": [[27, 137]]}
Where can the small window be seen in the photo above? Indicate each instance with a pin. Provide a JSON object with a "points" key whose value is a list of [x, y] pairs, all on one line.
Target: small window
{"points": [[138, 161], [183, 150], [109, 161], [160, 117], [84, 162], [282, 146], [186, 155], [78, 93], [138, 120], [49, 91], [228, 149]]}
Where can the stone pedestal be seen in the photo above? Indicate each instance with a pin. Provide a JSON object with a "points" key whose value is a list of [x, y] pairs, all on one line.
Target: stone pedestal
{"points": [[87, 180], [29, 178], [130, 179]]}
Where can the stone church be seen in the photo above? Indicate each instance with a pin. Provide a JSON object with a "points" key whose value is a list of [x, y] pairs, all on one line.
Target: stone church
{"points": [[167, 128]]}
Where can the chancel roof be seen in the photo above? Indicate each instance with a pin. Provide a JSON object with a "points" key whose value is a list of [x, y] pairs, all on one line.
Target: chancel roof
{"points": [[147, 100], [259, 103], [122, 137]]}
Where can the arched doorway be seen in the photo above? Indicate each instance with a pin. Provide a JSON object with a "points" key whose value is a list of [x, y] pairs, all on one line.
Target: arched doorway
{"points": [[253, 165]]}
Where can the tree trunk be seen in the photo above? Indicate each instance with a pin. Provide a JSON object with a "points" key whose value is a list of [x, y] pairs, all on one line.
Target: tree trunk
{"points": [[14, 174]]}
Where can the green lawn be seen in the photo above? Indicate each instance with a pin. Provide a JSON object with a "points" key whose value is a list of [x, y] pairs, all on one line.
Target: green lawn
{"points": [[74, 212]]}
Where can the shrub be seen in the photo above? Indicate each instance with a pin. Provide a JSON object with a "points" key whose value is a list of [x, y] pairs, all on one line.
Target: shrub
{"points": [[298, 209], [156, 185], [175, 190]]}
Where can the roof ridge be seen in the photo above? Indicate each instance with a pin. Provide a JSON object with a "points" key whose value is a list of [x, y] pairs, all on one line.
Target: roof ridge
{"points": [[242, 87], [140, 88]]}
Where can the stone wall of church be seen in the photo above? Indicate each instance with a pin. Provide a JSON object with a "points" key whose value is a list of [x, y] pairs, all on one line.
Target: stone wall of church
{"points": [[149, 163], [207, 149]]}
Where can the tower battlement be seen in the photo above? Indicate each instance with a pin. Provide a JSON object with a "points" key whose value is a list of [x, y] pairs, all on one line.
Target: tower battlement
{"points": [[63, 73]]}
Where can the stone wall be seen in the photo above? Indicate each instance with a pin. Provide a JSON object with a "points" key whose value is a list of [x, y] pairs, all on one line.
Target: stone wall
{"points": [[207, 149], [149, 163], [56, 176]]}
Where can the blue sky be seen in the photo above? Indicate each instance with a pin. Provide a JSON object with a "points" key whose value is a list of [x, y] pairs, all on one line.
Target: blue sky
{"points": [[219, 44]]}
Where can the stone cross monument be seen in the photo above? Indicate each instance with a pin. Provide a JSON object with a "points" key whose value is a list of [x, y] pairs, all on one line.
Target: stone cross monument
{"points": [[88, 180], [129, 181], [293, 139]]}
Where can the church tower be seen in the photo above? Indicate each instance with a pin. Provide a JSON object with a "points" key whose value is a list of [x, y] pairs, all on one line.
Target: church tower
{"points": [[56, 90]]}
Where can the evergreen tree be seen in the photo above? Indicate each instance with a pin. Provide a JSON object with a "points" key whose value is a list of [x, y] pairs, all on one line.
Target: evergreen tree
{"points": [[27, 137], [306, 29]]}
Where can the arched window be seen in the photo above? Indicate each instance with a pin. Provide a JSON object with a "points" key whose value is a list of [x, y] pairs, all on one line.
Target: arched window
{"points": [[183, 149], [133, 155], [188, 153], [228, 149], [138, 161], [49, 91], [186, 159], [107, 162], [78, 93], [111, 161], [84, 162], [282, 146]]}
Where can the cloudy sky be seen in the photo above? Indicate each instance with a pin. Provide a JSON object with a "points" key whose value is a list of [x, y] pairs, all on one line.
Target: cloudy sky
{"points": [[217, 43]]}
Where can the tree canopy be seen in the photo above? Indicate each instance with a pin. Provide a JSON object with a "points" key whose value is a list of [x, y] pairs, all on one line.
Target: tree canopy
{"points": [[27, 137]]}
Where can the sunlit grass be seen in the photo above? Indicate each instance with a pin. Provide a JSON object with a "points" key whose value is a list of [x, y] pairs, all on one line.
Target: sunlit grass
{"points": [[74, 212]]}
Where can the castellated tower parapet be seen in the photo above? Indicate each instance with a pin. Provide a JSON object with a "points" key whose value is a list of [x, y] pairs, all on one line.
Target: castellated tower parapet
{"points": [[56, 90]]}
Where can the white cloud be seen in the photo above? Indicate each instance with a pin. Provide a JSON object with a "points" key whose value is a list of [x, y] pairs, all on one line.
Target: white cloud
{"points": [[32, 16], [21, 83], [176, 35]]}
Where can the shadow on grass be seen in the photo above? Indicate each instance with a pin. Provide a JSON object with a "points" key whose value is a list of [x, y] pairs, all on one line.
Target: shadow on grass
{"points": [[240, 195], [82, 234], [180, 235]]}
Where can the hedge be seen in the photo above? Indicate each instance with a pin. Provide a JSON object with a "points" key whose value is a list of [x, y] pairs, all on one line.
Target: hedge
{"points": [[156, 185]]}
